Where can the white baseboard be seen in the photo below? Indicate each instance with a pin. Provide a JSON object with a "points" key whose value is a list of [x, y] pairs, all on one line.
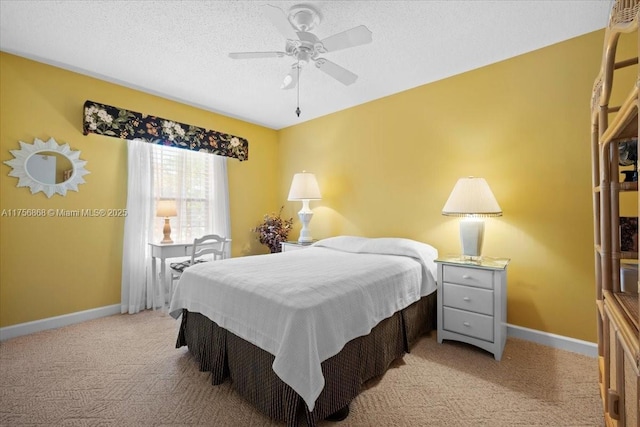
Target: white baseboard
{"points": [[13, 331], [552, 340]]}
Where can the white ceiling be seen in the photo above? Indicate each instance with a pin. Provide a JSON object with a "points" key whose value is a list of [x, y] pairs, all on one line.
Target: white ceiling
{"points": [[179, 49]]}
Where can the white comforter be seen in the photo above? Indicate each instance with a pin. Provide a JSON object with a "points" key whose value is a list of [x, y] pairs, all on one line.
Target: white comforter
{"points": [[304, 306]]}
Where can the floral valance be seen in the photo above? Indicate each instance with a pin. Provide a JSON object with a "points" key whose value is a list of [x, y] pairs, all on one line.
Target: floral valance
{"points": [[119, 123]]}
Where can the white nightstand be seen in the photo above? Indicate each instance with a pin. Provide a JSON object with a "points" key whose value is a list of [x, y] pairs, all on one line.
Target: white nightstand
{"points": [[294, 246], [472, 302]]}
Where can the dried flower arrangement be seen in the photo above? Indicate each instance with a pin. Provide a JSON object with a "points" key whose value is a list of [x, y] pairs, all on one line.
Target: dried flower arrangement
{"points": [[274, 230]]}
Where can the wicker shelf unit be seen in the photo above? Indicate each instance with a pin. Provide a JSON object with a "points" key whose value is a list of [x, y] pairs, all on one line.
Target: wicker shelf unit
{"points": [[617, 306]]}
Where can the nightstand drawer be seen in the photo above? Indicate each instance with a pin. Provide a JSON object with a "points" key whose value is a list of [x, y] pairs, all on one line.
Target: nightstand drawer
{"points": [[469, 276], [467, 323], [468, 298]]}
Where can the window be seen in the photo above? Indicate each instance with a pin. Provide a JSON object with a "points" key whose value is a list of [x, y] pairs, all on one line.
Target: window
{"points": [[188, 178]]}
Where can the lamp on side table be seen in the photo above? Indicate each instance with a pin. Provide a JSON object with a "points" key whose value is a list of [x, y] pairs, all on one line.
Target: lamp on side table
{"points": [[166, 209], [304, 187]]}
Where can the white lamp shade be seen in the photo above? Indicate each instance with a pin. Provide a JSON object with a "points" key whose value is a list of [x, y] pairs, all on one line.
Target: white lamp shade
{"points": [[166, 208], [471, 197], [304, 187]]}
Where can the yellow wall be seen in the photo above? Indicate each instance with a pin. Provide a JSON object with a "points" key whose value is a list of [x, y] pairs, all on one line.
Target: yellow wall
{"points": [[387, 167], [53, 266]]}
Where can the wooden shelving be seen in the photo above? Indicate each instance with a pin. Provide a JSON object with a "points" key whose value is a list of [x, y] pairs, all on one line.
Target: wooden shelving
{"points": [[618, 310]]}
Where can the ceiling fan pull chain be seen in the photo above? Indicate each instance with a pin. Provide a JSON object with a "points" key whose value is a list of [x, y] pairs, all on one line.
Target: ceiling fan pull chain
{"points": [[298, 106]]}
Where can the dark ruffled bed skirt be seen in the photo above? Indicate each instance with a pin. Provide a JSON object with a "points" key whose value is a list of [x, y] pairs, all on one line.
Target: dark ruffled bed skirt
{"points": [[226, 355]]}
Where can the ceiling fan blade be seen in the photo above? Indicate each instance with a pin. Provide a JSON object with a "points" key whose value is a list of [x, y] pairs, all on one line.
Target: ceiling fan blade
{"points": [[291, 80], [343, 75], [354, 37], [279, 19], [250, 55]]}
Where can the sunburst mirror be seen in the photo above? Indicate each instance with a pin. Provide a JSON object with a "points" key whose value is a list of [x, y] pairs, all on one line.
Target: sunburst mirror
{"points": [[48, 167]]}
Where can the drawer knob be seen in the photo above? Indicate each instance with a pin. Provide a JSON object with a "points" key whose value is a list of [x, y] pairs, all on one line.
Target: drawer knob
{"points": [[466, 276], [466, 299], [467, 324]]}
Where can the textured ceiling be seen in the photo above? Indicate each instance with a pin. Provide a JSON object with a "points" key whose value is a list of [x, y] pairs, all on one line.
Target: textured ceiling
{"points": [[179, 49]]}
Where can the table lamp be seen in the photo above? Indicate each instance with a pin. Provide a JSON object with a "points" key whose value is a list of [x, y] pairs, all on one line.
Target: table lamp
{"points": [[472, 199], [304, 187], [166, 209]]}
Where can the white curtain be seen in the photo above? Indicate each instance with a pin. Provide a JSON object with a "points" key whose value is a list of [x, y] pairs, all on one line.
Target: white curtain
{"points": [[177, 175], [220, 208], [138, 230]]}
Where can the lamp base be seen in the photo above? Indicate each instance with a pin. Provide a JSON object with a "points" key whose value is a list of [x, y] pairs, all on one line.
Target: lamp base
{"points": [[166, 230], [305, 214], [471, 236]]}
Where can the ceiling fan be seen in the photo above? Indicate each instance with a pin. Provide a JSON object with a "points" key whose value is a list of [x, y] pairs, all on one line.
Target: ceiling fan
{"points": [[304, 46]]}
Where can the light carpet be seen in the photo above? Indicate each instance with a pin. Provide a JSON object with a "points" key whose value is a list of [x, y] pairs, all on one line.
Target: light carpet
{"points": [[124, 370]]}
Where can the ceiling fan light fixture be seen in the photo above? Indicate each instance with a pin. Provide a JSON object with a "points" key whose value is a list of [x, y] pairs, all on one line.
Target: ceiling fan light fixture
{"points": [[291, 80], [286, 82]]}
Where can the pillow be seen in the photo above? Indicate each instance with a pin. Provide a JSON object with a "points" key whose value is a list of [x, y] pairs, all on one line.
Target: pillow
{"points": [[343, 243], [400, 246], [380, 245], [425, 254]]}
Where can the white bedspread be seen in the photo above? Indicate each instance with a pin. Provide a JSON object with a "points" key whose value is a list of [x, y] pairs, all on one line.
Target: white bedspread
{"points": [[304, 306]]}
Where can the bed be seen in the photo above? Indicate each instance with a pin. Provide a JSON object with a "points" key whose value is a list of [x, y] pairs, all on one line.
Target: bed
{"points": [[299, 332]]}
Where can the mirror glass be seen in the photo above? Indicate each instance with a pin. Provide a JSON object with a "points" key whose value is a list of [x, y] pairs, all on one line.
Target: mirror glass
{"points": [[47, 167]]}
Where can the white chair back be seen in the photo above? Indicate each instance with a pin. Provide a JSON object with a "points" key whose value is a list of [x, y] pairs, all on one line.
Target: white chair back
{"points": [[209, 244]]}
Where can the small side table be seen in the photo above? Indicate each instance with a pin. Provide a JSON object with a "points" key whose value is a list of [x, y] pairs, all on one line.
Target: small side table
{"points": [[472, 301], [294, 245], [162, 251]]}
